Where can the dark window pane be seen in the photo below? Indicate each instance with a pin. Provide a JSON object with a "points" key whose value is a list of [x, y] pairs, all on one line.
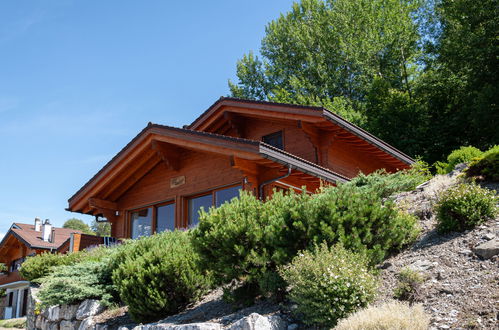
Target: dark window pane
{"points": [[274, 139], [224, 195], [195, 205], [166, 218], [142, 223]]}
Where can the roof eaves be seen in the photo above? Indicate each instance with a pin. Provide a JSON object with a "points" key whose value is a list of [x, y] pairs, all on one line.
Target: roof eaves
{"points": [[285, 158], [368, 137]]}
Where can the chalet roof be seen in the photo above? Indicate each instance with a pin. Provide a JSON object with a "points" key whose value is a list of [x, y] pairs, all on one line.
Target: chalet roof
{"points": [[303, 110], [248, 149], [27, 234]]}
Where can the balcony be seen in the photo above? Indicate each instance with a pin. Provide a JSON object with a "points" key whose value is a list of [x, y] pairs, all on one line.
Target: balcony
{"points": [[10, 277]]}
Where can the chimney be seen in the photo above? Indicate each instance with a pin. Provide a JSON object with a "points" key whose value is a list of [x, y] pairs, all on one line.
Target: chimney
{"points": [[46, 231], [38, 224]]}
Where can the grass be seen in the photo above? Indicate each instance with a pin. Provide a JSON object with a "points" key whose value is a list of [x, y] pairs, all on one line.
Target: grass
{"points": [[19, 323]]}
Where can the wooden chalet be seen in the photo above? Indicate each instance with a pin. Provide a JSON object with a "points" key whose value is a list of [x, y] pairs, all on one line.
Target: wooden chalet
{"points": [[20, 241], [161, 179]]}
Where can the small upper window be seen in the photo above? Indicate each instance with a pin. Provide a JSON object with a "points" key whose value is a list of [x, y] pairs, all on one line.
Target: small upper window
{"points": [[274, 139]]}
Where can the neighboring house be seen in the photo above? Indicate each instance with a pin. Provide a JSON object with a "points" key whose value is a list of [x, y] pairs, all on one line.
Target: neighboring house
{"points": [[20, 241], [23, 240], [161, 179]]}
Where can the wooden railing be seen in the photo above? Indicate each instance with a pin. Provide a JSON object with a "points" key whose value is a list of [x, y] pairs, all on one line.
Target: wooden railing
{"points": [[10, 277]]}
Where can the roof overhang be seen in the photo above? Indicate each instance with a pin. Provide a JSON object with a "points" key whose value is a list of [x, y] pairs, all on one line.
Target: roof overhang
{"points": [[319, 116], [140, 148]]}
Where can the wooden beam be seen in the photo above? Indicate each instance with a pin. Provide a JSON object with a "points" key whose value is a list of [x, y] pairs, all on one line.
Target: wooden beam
{"points": [[97, 203], [236, 123], [169, 154]]}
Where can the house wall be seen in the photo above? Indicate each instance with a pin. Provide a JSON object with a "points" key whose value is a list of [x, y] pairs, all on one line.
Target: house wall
{"points": [[295, 140], [202, 172]]}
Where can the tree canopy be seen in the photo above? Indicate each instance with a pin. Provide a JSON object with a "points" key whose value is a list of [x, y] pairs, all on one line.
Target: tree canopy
{"points": [[420, 74], [78, 224]]}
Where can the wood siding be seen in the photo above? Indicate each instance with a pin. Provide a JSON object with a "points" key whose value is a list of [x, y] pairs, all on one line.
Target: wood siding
{"points": [[202, 172]]}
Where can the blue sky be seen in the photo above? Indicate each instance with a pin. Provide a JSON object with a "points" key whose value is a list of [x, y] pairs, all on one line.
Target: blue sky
{"points": [[79, 79]]}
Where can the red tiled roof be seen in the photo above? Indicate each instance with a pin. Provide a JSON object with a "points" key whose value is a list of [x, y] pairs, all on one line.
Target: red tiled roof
{"points": [[27, 234]]}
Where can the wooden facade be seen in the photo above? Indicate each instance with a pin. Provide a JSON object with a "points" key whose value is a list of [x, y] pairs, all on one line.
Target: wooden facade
{"points": [[21, 241], [160, 178]]}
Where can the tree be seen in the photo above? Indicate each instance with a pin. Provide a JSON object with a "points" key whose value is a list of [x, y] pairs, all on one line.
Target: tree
{"points": [[329, 52], [101, 228], [78, 224]]}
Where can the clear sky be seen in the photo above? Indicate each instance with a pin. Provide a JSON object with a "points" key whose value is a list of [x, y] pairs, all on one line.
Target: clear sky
{"points": [[79, 79]]}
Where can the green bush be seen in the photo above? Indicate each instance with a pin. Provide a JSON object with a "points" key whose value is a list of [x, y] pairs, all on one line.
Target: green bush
{"points": [[70, 284], [327, 284], [36, 267], [464, 206], [385, 184], [3, 268], [461, 155], [158, 275], [408, 286], [486, 168], [247, 239]]}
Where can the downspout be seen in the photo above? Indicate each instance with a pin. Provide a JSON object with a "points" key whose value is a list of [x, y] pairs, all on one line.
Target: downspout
{"points": [[260, 189]]}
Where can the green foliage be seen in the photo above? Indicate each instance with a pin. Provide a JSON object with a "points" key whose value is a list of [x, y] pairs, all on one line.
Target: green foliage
{"points": [[464, 207], [3, 293], [70, 284], [461, 155], [101, 228], [387, 184], [3, 268], [327, 284], [19, 323], [78, 224], [42, 265], [247, 239], [158, 275], [487, 167], [409, 285]]}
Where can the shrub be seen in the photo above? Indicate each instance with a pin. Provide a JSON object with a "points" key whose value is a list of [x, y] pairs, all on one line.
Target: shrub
{"points": [[461, 155], [247, 239], [409, 285], [385, 184], [158, 275], [69, 284], [464, 206], [392, 315], [328, 284], [486, 168], [3, 268], [36, 267]]}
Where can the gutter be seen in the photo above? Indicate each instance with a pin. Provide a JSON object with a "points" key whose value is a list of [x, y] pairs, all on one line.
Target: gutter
{"points": [[260, 188]]}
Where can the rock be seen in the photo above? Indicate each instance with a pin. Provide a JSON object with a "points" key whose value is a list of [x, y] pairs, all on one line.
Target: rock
{"points": [[88, 308], [256, 321], [53, 314], [488, 249], [489, 236], [293, 326], [87, 324], [190, 326], [68, 325], [38, 322], [101, 327], [385, 265], [422, 265], [68, 312]]}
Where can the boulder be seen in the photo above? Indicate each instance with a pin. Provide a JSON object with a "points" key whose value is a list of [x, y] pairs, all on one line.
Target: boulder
{"points": [[88, 308], [256, 321], [422, 265], [53, 314], [190, 326], [68, 325], [87, 324], [488, 249], [68, 312]]}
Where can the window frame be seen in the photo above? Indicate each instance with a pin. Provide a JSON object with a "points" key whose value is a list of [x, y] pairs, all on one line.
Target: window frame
{"points": [[281, 132], [154, 214], [211, 192]]}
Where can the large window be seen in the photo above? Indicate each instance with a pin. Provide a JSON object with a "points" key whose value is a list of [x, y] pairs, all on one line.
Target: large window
{"points": [[154, 219], [274, 139], [214, 198]]}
